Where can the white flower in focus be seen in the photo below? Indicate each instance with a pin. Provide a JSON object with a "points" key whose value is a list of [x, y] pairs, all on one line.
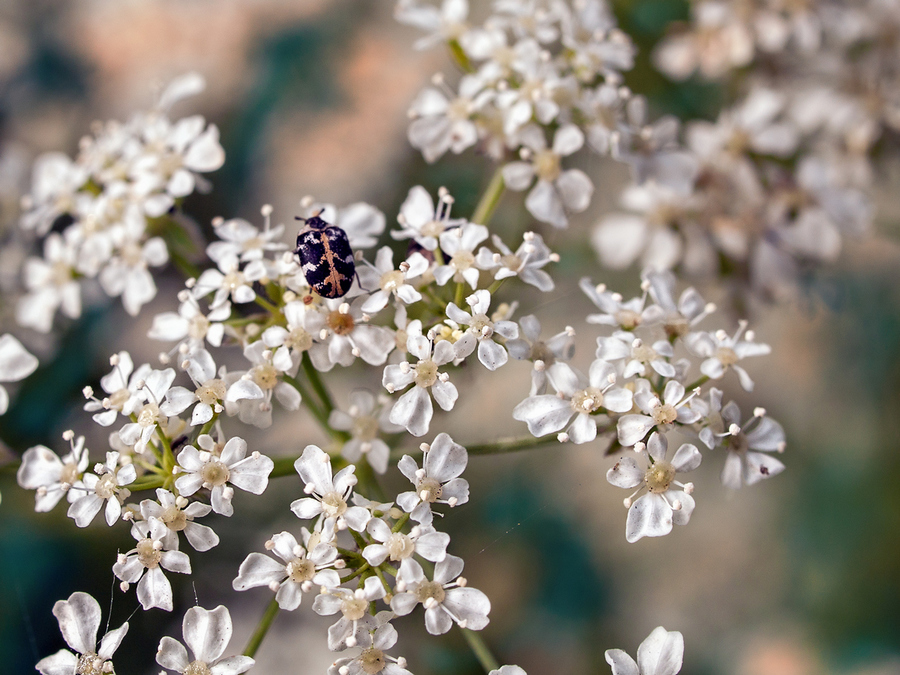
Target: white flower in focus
{"points": [[124, 386], [414, 409], [203, 469], [328, 494], [438, 481], [190, 326], [177, 514], [239, 239], [661, 653], [721, 352], [107, 485], [144, 565], [662, 414], [556, 191], [577, 395], [290, 341], [209, 393], [372, 660], [626, 315], [250, 394], [42, 470], [446, 598], [79, 620], [16, 363], [363, 420], [344, 335], [459, 246], [654, 513], [543, 353], [422, 540], [525, 263], [229, 281], [481, 330], [153, 388], [355, 622], [389, 281], [301, 569], [678, 318], [420, 220], [637, 356], [207, 633]]}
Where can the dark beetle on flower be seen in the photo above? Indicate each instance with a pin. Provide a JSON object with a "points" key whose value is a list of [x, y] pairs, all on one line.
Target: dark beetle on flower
{"points": [[325, 257]]}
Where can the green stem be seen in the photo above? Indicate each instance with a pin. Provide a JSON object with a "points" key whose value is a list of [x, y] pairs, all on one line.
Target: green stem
{"points": [[284, 466], [460, 293], [699, 382], [481, 650], [308, 400], [400, 523], [262, 628], [489, 200], [316, 381], [505, 445], [268, 306]]}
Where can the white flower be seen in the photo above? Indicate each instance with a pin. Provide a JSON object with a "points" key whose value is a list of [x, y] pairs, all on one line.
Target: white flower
{"points": [[481, 330], [525, 263], [372, 660], [614, 312], [556, 192], [344, 335], [459, 246], [176, 515], [420, 220], [414, 409], [748, 445], [442, 120], [208, 395], [190, 325], [446, 598], [422, 540], [580, 396], [660, 413], [328, 495], [676, 319], [444, 24], [203, 469], [16, 363], [654, 513], [107, 485], [250, 394], [437, 481], [79, 620], [390, 281], [51, 285], [229, 281], [291, 341], [721, 351], [153, 389], [543, 353], [355, 621], [240, 239], [660, 654], [207, 632], [150, 556], [636, 354], [363, 422], [55, 182], [300, 570], [52, 477]]}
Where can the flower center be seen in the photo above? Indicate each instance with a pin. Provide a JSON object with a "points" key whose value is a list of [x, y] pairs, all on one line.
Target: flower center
{"points": [[462, 259], [106, 486], [372, 661], [727, 356], [354, 608], [365, 427], [214, 473], [91, 664], [198, 668], [148, 556], [69, 473], [252, 243], [426, 373], [174, 518], [587, 400], [333, 504], [148, 415], [430, 589], [432, 489], [265, 376], [300, 570], [299, 339], [198, 326], [232, 280], [391, 281], [480, 322], [433, 228], [665, 414], [511, 261], [211, 391], [659, 476], [676, 326], [61, 274], [628, 319], [644, 354], [458, 110], [341, 324], [546, 165], [118, 400], [738, 443], [400, 546], [132, 255]]}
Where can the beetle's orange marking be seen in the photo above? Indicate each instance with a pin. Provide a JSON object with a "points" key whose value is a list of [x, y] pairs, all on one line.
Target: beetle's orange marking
{"points": [[334, 277]]}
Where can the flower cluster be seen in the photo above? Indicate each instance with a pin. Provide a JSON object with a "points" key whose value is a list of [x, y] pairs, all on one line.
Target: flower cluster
{"points": [[107, 211]]}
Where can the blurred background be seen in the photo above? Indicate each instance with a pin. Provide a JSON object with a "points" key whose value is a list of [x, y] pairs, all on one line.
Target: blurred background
{"points": [[799, 575]]}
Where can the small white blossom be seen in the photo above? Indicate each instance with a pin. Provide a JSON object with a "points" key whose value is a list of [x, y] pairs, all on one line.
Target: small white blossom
{"points": [[391, 282], [363, 420], [721, 351], [177, 514], [144, 565], [661, 653], [481, 330], [420, 220], [328, 494], [543, 353], [659, 413], [16, 363], [355, 622], [373, 660], [107, 485], [207, 633], [42, 470], [437, 481]]}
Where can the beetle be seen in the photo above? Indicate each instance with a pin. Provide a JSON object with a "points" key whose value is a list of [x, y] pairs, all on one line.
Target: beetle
{"points": [[325, 257]]}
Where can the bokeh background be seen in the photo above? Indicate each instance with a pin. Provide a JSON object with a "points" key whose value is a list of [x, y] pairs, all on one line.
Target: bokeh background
{"points": [[799, 575]]}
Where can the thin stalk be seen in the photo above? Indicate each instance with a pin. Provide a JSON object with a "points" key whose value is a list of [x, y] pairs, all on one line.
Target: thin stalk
{"points": [[268, 306], [699, 382], [308, 400], [481, 650], [460, 293], [313, 376], [489, 200], [262, 628]]}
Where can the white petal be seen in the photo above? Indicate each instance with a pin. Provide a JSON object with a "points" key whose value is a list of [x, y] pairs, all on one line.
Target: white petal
{"points": [[661, 653], [649, 516]]}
